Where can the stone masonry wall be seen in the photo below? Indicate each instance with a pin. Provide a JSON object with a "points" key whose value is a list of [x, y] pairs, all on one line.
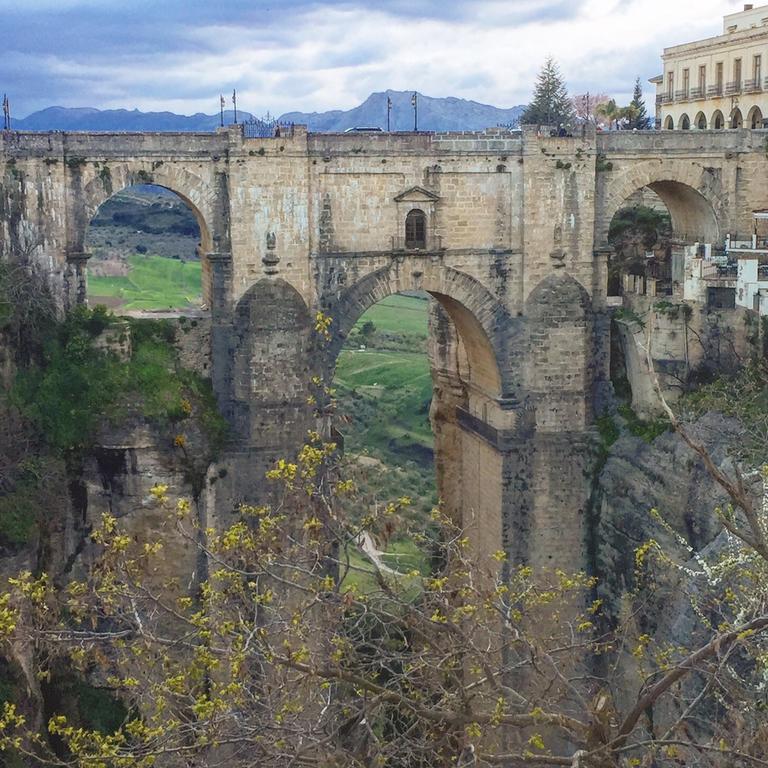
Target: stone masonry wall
{"points": [[300, 222]]}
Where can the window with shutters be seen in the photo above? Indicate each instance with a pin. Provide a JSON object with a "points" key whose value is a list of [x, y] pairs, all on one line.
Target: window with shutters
{"points": [[416, 229]]}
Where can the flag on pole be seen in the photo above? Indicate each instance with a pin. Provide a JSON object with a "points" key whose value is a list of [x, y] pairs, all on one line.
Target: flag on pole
{"points": [[6, 113], [413, 99], [389, 103], [223, 102]]}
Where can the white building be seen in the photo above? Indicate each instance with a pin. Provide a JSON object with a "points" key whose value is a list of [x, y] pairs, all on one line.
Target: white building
{"points": [[719, 82]]}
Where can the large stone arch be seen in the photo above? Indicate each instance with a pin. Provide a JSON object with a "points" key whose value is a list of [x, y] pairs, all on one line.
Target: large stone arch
{"points": [[485, 327], [691, 192], [110, 178]]}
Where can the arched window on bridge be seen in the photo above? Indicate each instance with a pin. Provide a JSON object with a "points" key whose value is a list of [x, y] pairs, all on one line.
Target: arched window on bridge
{"points": [[416, 229], [718, 121], [755, 118], [701, 121], [684, 123], [737, 119], [145, 253], [669, 123]]}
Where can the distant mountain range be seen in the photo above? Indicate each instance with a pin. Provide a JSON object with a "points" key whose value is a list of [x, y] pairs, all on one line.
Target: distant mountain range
{"points": [[89, 119], [444, 114]]}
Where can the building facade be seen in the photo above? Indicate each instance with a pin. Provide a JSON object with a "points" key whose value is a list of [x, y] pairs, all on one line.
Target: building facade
{"points": [[720, 82]]}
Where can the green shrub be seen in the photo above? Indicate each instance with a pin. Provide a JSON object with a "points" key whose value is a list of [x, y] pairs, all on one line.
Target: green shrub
{"points": [[18, 518], [79, 386], [646, 430]]}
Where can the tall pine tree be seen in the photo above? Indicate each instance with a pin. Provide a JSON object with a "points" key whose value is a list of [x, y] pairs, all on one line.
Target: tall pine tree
{"points": [[639, 119], [551, 104]]}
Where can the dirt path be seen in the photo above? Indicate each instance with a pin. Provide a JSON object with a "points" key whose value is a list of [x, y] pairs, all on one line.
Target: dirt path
{"points": [[365, 542]]}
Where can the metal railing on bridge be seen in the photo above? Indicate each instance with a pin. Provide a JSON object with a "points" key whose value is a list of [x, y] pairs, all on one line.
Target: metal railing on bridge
{"points": [[261, 128]]}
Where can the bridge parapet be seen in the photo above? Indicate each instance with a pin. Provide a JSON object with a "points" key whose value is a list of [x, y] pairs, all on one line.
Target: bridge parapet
{"points": [[94, 145], [696, 143]]}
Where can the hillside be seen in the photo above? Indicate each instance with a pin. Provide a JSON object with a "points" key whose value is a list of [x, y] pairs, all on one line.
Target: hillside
{"points": [[435, 114]]}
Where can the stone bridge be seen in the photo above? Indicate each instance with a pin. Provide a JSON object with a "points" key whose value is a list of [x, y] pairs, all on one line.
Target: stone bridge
{"points": [[506, 231]]}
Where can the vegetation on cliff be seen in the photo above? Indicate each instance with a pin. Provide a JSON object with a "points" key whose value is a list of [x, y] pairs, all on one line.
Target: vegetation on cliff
{"points": [[275, 663], [279, 658], [80, 384], [72, 380]]}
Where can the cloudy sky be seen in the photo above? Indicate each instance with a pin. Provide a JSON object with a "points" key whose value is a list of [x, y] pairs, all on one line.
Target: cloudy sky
{"points": [[323, 54]]}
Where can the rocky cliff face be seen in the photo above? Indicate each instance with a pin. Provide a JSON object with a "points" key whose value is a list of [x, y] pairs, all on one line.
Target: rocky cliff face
{"points": [[664, 475], [666, 608]]}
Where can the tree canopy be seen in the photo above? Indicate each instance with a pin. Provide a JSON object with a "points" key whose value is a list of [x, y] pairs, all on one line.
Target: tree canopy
{"points": [[551, 104], [639, 118]]}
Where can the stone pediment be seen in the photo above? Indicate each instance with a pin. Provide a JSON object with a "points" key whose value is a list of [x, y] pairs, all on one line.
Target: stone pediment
{"points": [[416, 195]]}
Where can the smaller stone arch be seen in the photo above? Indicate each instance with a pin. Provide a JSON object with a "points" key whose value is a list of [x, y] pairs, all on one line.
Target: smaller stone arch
{"points": [[112, 178], [718, 121], [684, 123], [687, 192], [669, 123], [737, 119], [755, 118], [700, 121]]}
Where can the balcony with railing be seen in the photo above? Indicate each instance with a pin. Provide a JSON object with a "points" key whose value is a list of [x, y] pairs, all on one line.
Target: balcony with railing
{"points": [[715, 90], [733, 87], [681, 95], [698, 93], [430, 243], [753, 86], [663, 98]]}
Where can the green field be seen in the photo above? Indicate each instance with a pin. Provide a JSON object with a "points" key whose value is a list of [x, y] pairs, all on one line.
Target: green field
{"points": [[387, 387], [154, 282], [402, 555], [384, 393], [399, 314]]}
